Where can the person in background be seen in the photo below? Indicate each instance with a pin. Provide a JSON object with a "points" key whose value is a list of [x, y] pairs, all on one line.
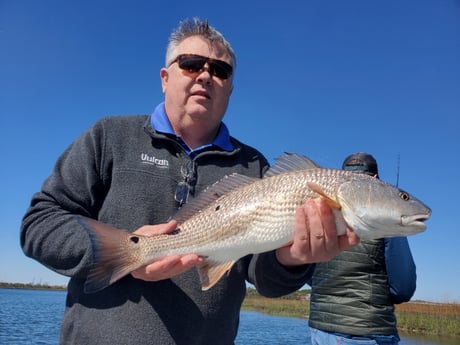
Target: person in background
{"points": [[353, 295], [133, 173]]}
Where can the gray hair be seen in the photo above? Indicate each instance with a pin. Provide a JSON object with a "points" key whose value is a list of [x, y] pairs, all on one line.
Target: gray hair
{"points": [[196, 27]]}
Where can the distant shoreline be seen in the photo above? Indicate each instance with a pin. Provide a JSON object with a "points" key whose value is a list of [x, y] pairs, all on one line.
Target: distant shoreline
{"points": [[31, 286]]}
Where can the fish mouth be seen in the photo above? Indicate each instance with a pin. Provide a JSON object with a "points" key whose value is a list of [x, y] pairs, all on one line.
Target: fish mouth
{"points": [[415, 221]]}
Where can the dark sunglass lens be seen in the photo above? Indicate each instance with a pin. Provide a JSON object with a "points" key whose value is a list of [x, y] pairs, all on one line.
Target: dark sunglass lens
{"points": [[191, 63], [220, 69]]}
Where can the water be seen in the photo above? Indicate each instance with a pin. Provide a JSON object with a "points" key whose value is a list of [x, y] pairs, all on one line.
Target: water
{"points": [[33, 317], [261, 329], [30, 316]]}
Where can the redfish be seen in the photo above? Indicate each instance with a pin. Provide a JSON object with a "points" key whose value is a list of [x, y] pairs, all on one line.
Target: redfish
{"points": [[240, 215]]}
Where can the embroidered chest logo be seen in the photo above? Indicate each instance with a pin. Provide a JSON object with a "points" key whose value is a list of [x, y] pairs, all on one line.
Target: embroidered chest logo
{"points": [[161, 163]]}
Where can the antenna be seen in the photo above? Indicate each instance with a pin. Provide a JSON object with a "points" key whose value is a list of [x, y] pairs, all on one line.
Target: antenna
{"points": [[397, 171]]}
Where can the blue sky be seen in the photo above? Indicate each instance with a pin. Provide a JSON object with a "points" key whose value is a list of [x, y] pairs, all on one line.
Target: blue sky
{"points": [[320, 78]]}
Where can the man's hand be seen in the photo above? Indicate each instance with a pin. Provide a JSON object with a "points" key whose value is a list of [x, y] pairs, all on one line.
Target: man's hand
{"points": [[166, 267], [315, 237]]}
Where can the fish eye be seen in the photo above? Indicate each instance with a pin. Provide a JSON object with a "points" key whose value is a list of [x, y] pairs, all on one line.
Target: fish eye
{"points": [[404, 196]]}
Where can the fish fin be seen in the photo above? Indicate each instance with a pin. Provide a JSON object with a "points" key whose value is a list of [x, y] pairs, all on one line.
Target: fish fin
{"points": [[290, 162], [211, 194], [114, 254], [210, 273], [317, 189]]}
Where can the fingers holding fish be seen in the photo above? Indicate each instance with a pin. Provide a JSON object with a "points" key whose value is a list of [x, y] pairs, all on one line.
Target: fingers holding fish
{"points": [[334, 224], [321, 223], [308, 243], [314, 214], [325, 228], [333, 229], [159, 229], [167, 267], [315, 236]]}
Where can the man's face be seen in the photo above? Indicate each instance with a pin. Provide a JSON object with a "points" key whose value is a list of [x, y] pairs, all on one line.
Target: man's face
{"points": [[196, 96]]}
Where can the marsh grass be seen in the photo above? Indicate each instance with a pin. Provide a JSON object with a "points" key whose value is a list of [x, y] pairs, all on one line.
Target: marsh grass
{"points": [[278, 306], [429, 318], [413, 317]]}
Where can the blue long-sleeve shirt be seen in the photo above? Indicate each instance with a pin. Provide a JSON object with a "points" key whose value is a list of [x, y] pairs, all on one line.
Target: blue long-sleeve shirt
{"points": [[402, 276]]}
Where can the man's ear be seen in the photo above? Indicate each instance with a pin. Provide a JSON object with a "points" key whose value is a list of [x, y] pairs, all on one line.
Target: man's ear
{"points": [[164, 75]]}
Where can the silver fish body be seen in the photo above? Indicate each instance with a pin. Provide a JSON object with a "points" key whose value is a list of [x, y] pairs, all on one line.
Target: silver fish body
{"points": [[239, 215]]}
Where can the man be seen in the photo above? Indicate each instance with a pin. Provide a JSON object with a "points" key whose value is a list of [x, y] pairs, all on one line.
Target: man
{"points": [[353, 295], [133, 171]]}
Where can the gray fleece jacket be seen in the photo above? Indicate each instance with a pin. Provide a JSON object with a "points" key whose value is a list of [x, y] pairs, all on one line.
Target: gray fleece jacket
{"points": [[123, 173]]}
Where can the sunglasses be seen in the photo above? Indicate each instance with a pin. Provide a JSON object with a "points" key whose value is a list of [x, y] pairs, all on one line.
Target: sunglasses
{"points": [[184, 188], [195, 63], [182, 192]]}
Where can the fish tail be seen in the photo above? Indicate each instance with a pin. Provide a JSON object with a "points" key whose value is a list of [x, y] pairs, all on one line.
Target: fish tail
{"points": [[115, 254]]}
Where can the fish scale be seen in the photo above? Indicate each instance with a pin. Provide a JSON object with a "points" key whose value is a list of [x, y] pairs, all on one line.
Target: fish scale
{"points": [[269, 217], [239, 215]]}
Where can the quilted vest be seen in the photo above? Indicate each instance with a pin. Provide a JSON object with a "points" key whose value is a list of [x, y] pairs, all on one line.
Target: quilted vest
{"points": [[350, 293]]}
